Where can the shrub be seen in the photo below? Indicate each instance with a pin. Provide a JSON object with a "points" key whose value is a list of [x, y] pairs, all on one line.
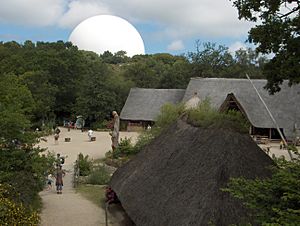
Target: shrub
{"points": [[25, 170], [274, 201], [206, 117], [12, 211], [143, 139], [124, 148], [99, 176], [169, 113], [99, 125], [84, 164]]}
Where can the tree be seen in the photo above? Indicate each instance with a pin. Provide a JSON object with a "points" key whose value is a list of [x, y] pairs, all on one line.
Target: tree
{"points": [[211, 61], [141, 74], [274, 201], [95, 98], [176, 76], [16, 106], [278, 33], [247, 61], [22, 165], [43, 93]]}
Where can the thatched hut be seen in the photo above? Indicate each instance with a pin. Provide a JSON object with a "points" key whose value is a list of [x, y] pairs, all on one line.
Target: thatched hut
{"points": [[143, 105], [176, 179], [240, 95]]}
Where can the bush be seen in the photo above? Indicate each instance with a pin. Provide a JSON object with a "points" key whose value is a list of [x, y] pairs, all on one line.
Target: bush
{"points": [[274, 201], [125, 148], [25, 170], [206, 117], [84, 164], [12, 211], [99, 125], [99, 176], [143, 139], [169, 113]]}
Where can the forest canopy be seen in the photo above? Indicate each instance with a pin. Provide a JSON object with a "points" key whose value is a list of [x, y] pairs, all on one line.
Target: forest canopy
{"points": [[65, 82]]}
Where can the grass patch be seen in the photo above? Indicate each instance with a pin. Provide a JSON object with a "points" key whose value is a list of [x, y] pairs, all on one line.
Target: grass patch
{"points": [[94, 193], [99, 176], [207, 117]]}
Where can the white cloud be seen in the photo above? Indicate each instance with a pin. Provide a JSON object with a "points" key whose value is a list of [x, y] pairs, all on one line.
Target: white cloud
{"points": [[185, 18], [236, 46], [81, 10], [31, 12], [176, 45], [177, 19]]}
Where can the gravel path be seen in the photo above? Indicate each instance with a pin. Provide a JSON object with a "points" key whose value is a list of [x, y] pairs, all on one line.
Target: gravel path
{"points": [[71, 208]]}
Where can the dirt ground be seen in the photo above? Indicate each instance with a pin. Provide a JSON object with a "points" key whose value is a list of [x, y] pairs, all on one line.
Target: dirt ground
{"points": [[274, 149], [71, 208]]}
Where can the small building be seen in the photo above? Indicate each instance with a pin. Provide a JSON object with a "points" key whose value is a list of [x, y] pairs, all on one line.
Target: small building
{"points": [[143, 106]]}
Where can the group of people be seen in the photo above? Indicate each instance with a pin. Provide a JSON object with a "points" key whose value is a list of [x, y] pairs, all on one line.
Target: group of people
{"points": [[59, 174]]}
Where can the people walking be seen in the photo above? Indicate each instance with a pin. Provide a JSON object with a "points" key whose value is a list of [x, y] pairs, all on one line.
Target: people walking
{"points": [[59, 179]]}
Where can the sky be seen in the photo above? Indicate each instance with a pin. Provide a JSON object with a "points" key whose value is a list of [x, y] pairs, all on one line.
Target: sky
{"points": [[168, 26]]}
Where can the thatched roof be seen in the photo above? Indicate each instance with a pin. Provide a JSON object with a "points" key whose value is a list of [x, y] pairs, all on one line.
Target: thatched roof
{"points": [[176, 179], [284, 105], [145, 104]]}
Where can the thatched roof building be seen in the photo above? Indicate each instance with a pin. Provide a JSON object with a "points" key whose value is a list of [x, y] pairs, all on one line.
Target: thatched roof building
{"points": [[176, 179], [284, 105], [145, 104]]}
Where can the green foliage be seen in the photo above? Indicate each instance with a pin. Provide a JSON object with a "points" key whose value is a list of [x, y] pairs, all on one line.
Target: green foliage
{"points": [[207, 117], [293, 149], [143, 139], [169, 113], [15, 108], [211, 60], [22, 166], [274, 201], [117, 58], [84, 164], [42, 91], [277, 32], [125, 148], [12, 211], [99, 175], [99, 125], [64, 81], [25, 170]]}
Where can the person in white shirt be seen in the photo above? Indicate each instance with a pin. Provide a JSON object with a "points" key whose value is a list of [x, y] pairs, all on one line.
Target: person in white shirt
{"points": [[90, 134]]}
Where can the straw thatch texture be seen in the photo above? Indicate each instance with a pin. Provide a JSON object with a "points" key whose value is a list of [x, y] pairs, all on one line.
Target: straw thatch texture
{"points": [[176, 179], [145, 104], [283, 105]]}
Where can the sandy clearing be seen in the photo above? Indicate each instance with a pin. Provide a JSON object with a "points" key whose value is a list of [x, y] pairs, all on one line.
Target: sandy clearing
{"points": [[71, 208]]}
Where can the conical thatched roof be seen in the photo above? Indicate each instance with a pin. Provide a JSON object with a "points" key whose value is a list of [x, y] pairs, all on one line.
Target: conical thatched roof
{"points": [[176, 179]]}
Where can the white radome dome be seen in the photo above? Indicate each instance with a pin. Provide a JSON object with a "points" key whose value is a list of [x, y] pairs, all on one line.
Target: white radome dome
{"points": [[107, 33]]}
